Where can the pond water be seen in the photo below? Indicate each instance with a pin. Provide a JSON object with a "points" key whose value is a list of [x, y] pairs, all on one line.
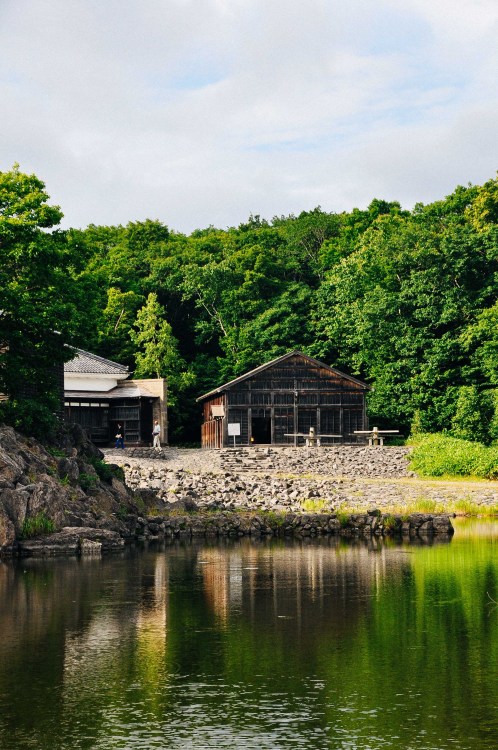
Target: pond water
{"points": [[255, 645]]}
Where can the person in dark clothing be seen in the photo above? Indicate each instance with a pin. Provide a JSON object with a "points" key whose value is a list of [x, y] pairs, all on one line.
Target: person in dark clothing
{"points": [[120, 437]]}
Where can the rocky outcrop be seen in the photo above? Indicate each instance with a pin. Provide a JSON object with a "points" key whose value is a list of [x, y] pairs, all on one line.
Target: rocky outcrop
{"points": [[44, 490], [72, 541]]}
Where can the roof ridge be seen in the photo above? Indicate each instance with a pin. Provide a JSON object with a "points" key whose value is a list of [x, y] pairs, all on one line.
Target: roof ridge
{"points": [[282, 357]]}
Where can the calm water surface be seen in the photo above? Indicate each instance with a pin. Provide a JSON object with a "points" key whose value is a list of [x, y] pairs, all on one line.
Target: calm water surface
{"points": [[271, 645]]}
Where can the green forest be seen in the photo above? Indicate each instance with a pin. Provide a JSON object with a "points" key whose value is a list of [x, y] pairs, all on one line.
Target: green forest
{"points": [[406, 300]]}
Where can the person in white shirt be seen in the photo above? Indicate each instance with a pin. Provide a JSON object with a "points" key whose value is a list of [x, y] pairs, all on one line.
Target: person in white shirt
{"points": [[156, 435]]}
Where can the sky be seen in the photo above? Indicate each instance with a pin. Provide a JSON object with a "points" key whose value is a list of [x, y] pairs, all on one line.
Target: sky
{"points": [[203, 112]]}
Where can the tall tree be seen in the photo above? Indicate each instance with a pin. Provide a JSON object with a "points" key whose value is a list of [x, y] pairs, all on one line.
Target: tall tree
{"points": [[36, 309], [157, 349]]}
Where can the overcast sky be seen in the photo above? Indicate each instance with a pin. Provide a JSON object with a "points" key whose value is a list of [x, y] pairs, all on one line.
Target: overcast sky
{"points": [[199, 112]]}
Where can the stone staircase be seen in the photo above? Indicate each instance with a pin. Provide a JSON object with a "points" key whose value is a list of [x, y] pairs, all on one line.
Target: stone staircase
{"points": [[237, 460]]}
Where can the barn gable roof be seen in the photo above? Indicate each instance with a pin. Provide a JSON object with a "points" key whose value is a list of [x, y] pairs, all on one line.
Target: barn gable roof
{"points": [[278, 360]]}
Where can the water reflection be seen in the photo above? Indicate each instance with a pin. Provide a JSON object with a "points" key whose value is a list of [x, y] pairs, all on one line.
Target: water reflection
{"points": [[320, 644]]}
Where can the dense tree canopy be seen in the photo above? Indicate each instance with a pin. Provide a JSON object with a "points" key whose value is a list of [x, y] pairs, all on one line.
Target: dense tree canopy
{"points": [[36, 300], [407, 300]]}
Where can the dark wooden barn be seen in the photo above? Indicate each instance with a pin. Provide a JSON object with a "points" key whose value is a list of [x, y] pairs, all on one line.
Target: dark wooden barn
{"points": [[278, 402]]}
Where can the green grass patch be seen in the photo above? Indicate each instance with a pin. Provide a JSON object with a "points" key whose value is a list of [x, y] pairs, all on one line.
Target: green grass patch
{"points": [[426, 505], [343, 518], [273, 517], [314, 505], [122, 512], [155, 512], [440, 455], [140, 503], [462, 507], [391, 522], [36, 525], [56, 452]]}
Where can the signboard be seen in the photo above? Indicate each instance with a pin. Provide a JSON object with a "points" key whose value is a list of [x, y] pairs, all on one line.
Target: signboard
{"points": [[233, 429]]}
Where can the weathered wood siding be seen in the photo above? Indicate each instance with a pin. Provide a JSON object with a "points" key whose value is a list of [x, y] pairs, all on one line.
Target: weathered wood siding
{"points": [[288, 397], [212, 429]]}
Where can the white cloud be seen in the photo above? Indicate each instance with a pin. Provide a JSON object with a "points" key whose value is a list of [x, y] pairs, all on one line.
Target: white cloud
{"points": [[203, 111]]}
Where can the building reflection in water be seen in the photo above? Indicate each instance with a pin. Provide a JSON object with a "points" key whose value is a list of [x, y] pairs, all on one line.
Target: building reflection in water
{"points": [[128, 626], [101, 607], [295, 581], [105, 643]]}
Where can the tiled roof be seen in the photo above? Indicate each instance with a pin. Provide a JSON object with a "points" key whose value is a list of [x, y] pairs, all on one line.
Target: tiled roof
{"points": [[86, 362]]}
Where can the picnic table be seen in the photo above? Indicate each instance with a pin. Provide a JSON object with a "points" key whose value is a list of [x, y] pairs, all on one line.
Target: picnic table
{"points": [[312, 438], [376, 436]]}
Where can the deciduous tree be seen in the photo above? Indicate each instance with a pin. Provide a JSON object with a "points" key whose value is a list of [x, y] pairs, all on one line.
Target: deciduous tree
{"points": [[36, 309]]}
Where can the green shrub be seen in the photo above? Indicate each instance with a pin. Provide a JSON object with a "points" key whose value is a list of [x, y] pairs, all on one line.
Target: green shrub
{"points": [[440, 455], [118, 472], [57, 452], [37, 525], [105, 471], [87, 481], [31, 417], [274, 518], [474, 414]]}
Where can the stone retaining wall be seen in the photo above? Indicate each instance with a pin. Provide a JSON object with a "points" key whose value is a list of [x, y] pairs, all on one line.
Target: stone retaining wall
{"points": [[297, 525]]}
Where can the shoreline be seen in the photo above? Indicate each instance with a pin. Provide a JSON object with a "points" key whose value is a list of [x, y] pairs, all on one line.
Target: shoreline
{"points": [[371, 527]]}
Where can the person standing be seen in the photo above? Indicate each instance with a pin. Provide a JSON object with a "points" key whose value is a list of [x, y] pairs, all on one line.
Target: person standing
{"points": [[119, 437], [156, 435]]}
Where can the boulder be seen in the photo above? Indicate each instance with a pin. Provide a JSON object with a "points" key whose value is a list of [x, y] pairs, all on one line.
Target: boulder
{"points": [[71, 541]]}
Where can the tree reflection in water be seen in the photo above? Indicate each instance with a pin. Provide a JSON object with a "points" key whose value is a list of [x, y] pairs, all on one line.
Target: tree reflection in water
{"points": [[314, 644]]}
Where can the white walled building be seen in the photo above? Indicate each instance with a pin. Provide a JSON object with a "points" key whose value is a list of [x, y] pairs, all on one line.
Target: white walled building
{"points": [[98, 395]]}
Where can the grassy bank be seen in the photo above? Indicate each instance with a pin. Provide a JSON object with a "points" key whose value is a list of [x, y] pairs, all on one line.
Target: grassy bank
{"points": [[443, 456], [461, 507]]}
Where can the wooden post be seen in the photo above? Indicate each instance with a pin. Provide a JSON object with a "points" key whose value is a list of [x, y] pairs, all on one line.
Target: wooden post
{"points": [[296, 395]]}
